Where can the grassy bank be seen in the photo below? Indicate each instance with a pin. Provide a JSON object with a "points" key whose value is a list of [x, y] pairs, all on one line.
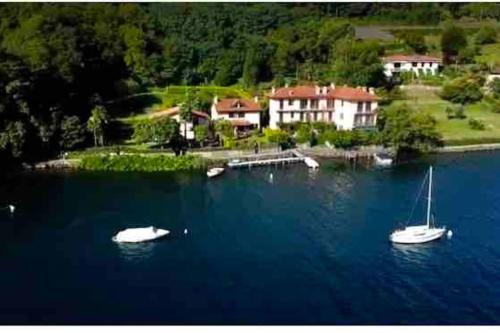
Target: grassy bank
{"points": [[456, 131], [154, 163]]}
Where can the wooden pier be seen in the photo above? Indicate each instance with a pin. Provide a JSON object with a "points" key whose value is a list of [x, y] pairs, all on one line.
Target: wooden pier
{"points": [[285, 157]]}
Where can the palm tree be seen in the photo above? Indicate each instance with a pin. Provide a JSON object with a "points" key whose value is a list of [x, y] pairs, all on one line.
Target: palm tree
{"points": [[187, 107], [96, 122]]}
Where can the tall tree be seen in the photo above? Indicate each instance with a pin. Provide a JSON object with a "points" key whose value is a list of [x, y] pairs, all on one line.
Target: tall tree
{"points": [[96, 124]]}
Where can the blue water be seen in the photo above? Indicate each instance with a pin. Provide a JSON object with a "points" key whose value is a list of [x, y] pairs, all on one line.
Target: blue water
{"points": [[306, 248]]}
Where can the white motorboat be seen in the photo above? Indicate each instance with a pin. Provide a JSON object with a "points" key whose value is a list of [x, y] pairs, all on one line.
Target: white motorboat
{"points": [[138, 235], [233, 162], [382, 159], [311, 163], [214, 172], [420, 233]]}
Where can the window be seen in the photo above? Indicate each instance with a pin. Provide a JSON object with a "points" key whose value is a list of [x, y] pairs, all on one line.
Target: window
{"points": [[414, 64], [330, 104], [232, 115], [330, 116], [292, 115], [303, 103], [368, 106], [241, 115], [281, 117], [360, 107], [397, 65], [314, 104], [281, 104], [423, 64], [341, 116], [290, 102], [315, 116], [301, 116], [342, 103]]}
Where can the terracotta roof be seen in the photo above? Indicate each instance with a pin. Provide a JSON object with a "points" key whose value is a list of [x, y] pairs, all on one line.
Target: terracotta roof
{"points": [[237, 105], [240, 122], [309, 92], [411, 58], [353, 94], [174, 111]]}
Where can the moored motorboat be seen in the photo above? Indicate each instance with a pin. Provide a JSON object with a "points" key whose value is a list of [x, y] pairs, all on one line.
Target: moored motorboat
{"points": [[382, 159], [138, 235], [214, 172], [419, 233]]}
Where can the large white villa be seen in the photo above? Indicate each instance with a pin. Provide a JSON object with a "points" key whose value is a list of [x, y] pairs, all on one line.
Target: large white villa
{"points": [[244, 114], [347, 107], [418, 64]]}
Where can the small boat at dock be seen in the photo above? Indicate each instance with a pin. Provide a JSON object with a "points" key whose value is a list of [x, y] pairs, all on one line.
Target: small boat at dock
{"points": [[139, 235], [213, 172], [382, 159]]}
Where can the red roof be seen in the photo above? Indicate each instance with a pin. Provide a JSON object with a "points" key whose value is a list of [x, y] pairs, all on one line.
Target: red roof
{"points": [[240, 122], [353, 94], [237, 105], [174, 111], [411, 58], [311, 92]]}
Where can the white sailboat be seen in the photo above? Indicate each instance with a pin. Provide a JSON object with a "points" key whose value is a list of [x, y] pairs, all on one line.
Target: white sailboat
{"points": [[419, 233]]}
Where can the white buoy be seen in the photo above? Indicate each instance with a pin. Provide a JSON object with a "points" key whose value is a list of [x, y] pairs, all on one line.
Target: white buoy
{"points": [[449, 234], [271, 177], [12, 208], [185, 231]]}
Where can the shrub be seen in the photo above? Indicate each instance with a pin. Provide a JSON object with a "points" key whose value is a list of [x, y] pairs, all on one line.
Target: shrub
{"points": [[278, 136], [476, 124], [463, 90], [304, 133], [456, 112], [487, 34], [141, 163]]}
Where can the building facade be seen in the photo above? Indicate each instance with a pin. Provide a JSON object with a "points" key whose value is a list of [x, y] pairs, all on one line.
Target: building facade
{"points": [[244, 114], [346, 107], [418, 64], [185, 128]]}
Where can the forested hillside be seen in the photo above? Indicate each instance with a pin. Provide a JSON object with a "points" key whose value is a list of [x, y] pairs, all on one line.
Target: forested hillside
{"points": [[58, 62]]}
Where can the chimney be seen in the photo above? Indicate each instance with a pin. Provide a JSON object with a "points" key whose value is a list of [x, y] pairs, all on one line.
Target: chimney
{"points": [[273, 90], [371, 90], [286, 84], [364, 89], [332, 85], [256, 99], [216, 99], [317, 90]]}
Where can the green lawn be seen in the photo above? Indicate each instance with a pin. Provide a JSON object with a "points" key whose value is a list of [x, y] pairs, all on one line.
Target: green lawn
{"points": [[456, 131], [139, 105]]}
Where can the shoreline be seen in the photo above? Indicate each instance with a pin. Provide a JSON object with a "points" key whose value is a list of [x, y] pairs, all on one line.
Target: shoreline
{"points": [[318, 151]]}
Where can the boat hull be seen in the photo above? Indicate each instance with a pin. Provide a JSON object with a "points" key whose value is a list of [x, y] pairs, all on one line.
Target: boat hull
{"points": [[139, 235], [416, 235], [214, 172]]}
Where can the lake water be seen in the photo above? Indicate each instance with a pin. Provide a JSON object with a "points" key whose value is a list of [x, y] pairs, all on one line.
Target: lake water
{"points": [[306, 248]]}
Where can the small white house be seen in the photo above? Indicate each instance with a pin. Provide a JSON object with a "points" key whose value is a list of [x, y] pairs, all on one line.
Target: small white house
{"points": [[418, 64], [346, 107], [199, 118], [244, 114]]}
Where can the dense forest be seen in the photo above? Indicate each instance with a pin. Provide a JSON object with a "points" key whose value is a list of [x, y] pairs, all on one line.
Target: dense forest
{"points": [[58, 62]]}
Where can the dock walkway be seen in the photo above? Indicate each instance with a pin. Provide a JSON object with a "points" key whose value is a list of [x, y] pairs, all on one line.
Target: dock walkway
{"points": [[285, 157]]}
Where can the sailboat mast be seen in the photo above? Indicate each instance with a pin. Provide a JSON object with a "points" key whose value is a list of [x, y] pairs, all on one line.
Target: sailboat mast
{"points": [[429, 199]]}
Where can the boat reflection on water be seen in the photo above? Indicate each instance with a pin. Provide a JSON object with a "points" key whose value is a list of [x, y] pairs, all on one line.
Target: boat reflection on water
{"points": [[137, 251], [413, 254]]}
